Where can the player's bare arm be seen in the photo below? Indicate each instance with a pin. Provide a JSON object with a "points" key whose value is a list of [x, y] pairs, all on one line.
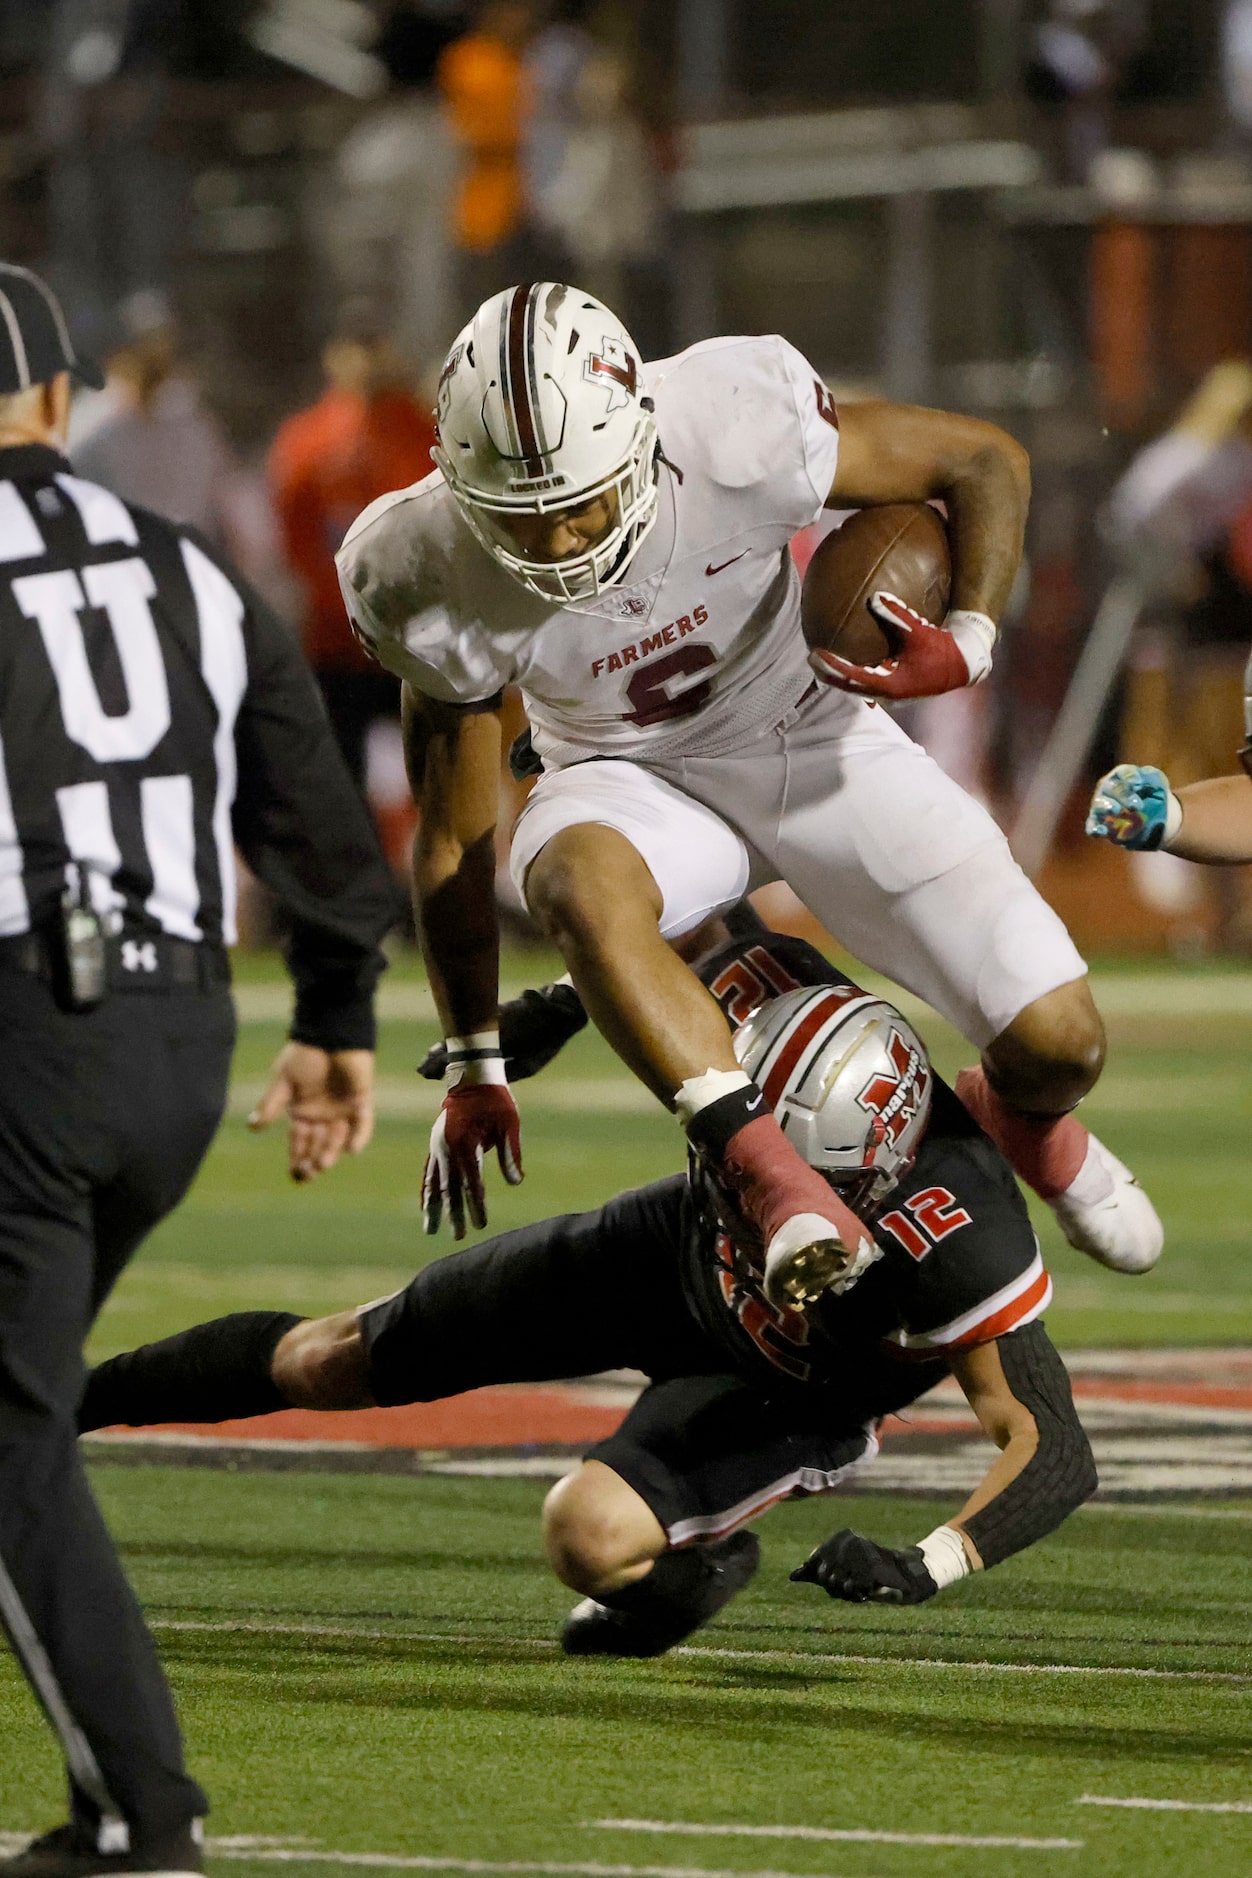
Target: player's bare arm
{"points": [[453, 756], [900, 453], [1210, 822], [453, 759], [1216, 822], [1018, 1388], [904, 453], [1005, 1420]]}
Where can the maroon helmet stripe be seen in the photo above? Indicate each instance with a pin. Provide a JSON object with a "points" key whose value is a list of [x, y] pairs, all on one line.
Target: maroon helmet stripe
{"points": [[791, 1052], [519, 380]]}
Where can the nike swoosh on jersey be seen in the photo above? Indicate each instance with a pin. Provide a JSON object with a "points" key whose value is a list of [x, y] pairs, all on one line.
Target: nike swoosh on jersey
{"points": [[710, 569]]}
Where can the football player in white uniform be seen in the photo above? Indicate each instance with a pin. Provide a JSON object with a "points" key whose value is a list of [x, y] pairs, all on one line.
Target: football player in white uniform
{"points": [[613, 538]]}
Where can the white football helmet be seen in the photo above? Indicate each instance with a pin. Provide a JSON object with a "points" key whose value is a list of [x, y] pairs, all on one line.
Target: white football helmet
{"points": [[849, 1081], [540, 409]]}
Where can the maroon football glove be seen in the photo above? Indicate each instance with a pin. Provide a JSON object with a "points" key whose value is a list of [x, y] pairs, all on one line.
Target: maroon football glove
{"points": [[475, 1117], [930, 659]]}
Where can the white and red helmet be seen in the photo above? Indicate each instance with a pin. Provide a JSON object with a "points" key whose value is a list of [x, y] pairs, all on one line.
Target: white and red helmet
{"points": [[848, 1079], [540, 408]]}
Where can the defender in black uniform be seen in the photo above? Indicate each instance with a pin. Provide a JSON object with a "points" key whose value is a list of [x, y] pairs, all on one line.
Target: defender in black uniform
{"points": [[152, 714], [747, 1403]]}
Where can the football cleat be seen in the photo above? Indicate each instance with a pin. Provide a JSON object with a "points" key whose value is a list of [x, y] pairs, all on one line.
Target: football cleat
{"points": [[682, 1592], [805, 1258], [70, 1851], [1106, 1214]]}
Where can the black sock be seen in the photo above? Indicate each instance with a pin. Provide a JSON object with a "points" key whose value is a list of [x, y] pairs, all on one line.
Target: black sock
{"points": [[712, 1129], [214, 1372], [677, 1579]]}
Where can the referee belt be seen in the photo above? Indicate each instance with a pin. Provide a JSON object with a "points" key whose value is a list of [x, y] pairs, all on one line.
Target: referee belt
{"points": [[135, 961]]}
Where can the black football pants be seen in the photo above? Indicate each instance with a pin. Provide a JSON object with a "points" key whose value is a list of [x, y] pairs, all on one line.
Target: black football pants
{"points": [[104, 1119]]}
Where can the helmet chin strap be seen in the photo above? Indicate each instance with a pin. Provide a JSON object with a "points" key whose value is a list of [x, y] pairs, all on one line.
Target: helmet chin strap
{"points": [[671, 467], [659, 456]]}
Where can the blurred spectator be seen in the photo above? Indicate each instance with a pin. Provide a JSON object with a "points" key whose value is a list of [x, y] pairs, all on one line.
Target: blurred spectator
{"points": [[1185, 505], [556, 59], [603, 203], [1080, 52], [148, 437], [113, 190], [482, 77], [366, 435], [379, 215], [1237, 65]]}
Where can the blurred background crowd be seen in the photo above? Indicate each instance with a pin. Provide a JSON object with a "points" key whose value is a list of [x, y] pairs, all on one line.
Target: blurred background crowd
{"points": [[270, 217]]}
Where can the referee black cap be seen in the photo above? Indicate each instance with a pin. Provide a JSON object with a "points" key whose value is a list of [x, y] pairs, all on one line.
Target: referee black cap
{"points": [[35, 342]]}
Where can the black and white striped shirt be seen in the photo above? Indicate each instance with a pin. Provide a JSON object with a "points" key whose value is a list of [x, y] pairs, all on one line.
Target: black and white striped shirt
{"points": [[153, 712]]}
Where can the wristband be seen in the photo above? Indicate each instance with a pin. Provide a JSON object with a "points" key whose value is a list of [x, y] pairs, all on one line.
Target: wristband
{"points": [[945, 1556], [975, 636], [1173, 821], [476, 1058]]}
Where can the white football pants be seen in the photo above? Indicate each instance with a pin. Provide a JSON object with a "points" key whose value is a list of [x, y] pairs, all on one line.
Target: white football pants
{"points": [[907, 872]]}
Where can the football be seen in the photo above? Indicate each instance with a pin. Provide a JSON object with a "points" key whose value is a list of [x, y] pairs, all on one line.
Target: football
{"points": [[900, 549]]}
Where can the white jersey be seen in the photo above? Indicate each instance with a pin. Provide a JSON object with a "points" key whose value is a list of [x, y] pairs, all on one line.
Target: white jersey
{"points": [[700, 649]]}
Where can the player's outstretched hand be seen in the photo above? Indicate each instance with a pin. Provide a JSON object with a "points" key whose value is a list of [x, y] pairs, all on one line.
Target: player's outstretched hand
{"points": [[533, 1029], [1130, 806], [475, 1117], [928, 659], [861, 1572], [328, 1096]]}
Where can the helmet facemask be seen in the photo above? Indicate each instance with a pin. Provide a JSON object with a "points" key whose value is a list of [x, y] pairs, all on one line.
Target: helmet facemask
{"points": [[634, 485]]}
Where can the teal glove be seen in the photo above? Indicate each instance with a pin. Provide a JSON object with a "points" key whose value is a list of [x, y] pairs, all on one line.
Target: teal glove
{"points": [[1131, 806]]}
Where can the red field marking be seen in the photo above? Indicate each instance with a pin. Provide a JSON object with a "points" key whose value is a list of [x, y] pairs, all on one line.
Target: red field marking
{"points": [[561, 1415], [485, 1418], [1140, 1389]]}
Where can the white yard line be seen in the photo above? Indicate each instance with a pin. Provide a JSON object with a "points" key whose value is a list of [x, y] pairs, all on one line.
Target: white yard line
{"points": [[296, 1852], [1142, 1509], [410, 1098], [253, 1841], [977, 1667], [846, 1835], [249, 1627], [1139, 994], [389, 1861], [1168, 1806]]}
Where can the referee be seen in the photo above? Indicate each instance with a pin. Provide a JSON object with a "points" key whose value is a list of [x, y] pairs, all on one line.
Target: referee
{"points": [[152, 714]]}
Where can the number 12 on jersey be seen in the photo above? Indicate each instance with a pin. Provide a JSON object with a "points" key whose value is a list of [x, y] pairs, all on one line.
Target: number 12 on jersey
{"points": [[934, 1214]]}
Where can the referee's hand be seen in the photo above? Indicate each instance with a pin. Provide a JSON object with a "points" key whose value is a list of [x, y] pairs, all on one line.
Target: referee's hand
{"points": [[329, 1100]]}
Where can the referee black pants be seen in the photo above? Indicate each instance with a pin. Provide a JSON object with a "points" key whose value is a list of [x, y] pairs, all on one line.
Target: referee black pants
{"points": [[104, 1119]]}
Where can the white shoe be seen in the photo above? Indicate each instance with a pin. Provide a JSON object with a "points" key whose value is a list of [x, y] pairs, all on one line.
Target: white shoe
{"points": [[1106, 1214], [806, 1257]]}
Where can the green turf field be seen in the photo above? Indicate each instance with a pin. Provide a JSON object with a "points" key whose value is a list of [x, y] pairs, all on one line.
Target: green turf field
{"points": [[367, 1665], [1175, 1102]]}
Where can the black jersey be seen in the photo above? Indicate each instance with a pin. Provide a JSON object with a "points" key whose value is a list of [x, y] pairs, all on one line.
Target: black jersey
{"points": [[153, 712], [960, 1262]]}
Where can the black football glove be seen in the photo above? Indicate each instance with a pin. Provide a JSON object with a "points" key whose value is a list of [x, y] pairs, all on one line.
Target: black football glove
{"points": [[861, 1572], [533, 1029]]}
